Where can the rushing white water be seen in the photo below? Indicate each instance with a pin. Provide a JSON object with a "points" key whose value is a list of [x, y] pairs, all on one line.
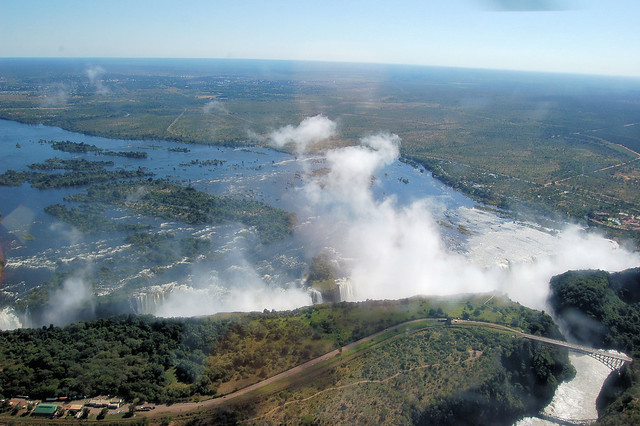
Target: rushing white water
{"points": [[147, 303], [316, 296], [9, 320], [346, 289], [575, 400]]}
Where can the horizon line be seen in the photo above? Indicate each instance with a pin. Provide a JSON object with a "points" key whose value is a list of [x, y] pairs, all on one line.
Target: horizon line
{"points": [[337, 62]]}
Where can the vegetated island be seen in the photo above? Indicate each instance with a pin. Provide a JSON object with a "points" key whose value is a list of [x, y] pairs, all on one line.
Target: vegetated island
{"points": [[602, 309], [425, 371], [169, 200], [81, 147], [43, 180], [138, 195], [157, 198], [78, 172], [153, 198]]}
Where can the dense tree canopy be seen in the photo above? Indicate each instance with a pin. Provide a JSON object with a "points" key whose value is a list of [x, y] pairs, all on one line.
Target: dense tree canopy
{"points": [[173, 359]]}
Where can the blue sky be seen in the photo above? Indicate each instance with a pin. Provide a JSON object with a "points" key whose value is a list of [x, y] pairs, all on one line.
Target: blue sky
{"points": [[576, 36]]}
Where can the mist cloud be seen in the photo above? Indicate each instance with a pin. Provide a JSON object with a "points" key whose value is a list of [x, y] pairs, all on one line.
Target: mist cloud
{"points": [[391, 251], [55, 96], [311, 130], [232, 284], [8, 319], [186, 301], [94, 73], [571, 249], [214, 106], [75, 295]]}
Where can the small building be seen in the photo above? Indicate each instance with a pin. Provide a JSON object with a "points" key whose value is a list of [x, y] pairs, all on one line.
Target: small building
{"points": [[75, 408], [98, 403], [45, 410]]}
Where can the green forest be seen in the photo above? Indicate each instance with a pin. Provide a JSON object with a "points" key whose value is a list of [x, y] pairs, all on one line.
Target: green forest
{"points": [[169, 360]]}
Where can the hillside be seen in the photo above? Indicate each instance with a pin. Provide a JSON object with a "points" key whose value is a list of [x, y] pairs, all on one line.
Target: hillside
{"points": [[434, 375], [430, 371], [603, 309]]}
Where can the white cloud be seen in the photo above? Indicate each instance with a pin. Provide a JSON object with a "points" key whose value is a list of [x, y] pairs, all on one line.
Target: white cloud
{"points": [[216, 106], [94, 73], [393, 252], [74, 296], [55, 95], [311, 130]]}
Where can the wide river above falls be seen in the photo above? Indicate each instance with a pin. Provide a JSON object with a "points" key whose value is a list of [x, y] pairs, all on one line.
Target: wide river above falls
{"points": [[499, 253], [504, 255], [35, 243]]}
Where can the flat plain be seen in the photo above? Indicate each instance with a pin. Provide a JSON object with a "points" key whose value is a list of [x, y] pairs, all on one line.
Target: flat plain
{"points": [[540, 145]]}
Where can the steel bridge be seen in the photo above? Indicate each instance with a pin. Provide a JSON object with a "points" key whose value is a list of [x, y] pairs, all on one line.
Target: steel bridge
{"points": [[613, 360]]}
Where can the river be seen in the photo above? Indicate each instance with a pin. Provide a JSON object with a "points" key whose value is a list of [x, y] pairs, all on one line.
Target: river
{"points": [[574, 401], [433, 230], [35, 244], [409, 229]]}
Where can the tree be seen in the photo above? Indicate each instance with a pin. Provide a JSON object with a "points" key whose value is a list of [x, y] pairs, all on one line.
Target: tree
{"points": [[85, 413], [102, 414], [131, 411]]}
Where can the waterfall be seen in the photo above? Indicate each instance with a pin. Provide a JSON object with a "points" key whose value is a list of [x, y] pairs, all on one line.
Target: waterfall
{"points": [[346, 289], [147, 303], [316, 296], [9, 320]]}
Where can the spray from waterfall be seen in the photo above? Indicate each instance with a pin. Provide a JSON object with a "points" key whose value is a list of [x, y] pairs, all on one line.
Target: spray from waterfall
{"points": [[396, 251], [9, 320]]}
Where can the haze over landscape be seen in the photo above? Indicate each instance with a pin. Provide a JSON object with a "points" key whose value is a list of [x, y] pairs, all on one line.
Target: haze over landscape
{"points": [[569, 36]]}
